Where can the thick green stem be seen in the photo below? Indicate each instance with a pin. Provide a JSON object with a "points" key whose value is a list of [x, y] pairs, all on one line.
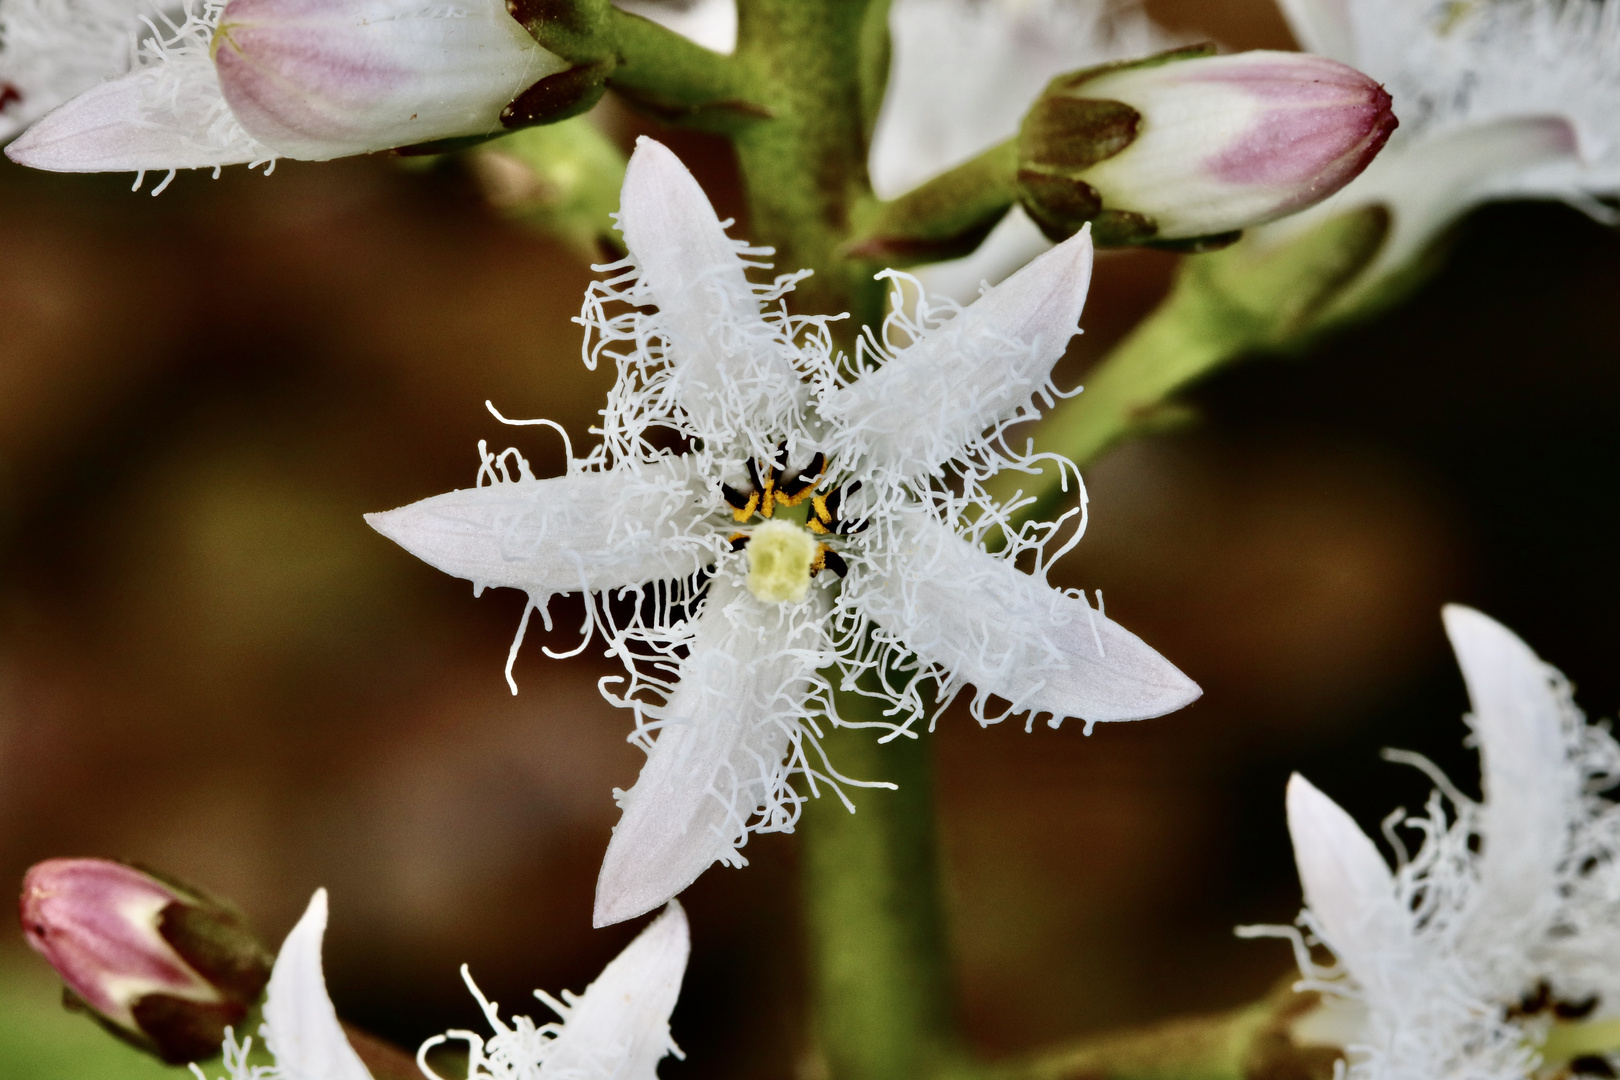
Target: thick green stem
{"points": [[881, 991], [805, 168], [669, 77]]}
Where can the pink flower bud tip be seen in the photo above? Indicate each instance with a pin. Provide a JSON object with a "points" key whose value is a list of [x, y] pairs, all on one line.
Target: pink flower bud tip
{"points": [[1318, 124], [161, 965], [1182, 146]]}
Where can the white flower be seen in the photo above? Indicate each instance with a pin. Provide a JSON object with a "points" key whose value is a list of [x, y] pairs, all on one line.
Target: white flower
{"points": [[1498, 99], [51, 50], [617, 1030], [252, 80], [1494, 949], [878, 471], [963, 75]]}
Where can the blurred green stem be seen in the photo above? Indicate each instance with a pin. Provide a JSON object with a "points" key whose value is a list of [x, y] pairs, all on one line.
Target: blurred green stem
{"points": [[880, 972], [804, 169], [1250, 1043], [1249, 298], [946, 218]]}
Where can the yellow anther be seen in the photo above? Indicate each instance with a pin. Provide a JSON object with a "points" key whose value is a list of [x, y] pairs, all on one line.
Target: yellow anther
{"points": [[743, 513], [780, 558]]}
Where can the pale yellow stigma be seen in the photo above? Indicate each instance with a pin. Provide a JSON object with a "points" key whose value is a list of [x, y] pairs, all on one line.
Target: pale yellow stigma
{"points": [[780, 555]]}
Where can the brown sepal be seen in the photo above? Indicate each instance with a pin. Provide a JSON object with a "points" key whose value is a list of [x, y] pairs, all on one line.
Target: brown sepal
{"points": [[557, 97], [1071, 134], [220, 947], [182, 1030]]}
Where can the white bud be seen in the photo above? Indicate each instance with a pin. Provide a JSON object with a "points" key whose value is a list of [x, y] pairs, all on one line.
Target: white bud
{"points": [[1201, 146], [316, 79]]}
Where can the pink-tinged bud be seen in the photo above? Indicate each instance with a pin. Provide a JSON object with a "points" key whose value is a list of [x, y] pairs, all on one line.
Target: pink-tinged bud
{"points": [[320, 79], [1188, 145], [157, 963]]}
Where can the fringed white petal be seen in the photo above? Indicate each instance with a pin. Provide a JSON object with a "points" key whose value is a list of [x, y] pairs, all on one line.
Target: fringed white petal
{"points": [[580, 533], [318, 80], [55, 49], [1013, 242], [718, 763], [1322, 27], [938, 395], [986, 622], [162, 116], [1532, 787], [1350, 890], [619, 1028], [300, 1025], [731, 367]]}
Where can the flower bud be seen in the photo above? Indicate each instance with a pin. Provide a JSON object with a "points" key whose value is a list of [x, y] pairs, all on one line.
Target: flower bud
{"points": [[316, 79], [156, 963], [1186, 145]]}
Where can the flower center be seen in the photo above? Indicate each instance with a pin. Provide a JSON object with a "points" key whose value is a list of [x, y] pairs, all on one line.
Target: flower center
{"points": [[773, 489], [781, 558]]}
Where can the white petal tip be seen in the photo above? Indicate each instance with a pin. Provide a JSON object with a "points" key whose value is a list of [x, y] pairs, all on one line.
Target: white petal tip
{"points": [[621, 896], [1468, 626]]}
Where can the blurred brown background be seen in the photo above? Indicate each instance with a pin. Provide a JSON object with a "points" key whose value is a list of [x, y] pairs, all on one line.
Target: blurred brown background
{"points": [[209, 663]]}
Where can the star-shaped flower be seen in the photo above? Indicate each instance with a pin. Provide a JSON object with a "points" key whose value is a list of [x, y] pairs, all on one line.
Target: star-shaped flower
{"points": [[827, 521], [1498, 99], [618, 1028], [1493, 951]]}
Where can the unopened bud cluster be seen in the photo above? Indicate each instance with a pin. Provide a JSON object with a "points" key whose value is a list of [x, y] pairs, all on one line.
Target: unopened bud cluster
{"points": [[155, 962], [1187, 145]]}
